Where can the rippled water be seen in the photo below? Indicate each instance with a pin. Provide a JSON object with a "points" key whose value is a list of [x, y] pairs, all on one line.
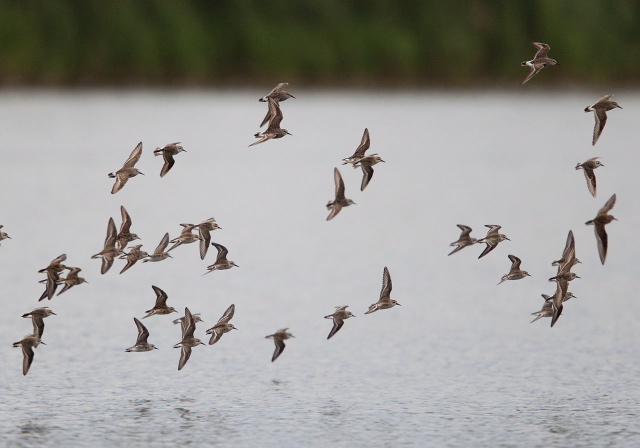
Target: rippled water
{"points": [[457, 365]]}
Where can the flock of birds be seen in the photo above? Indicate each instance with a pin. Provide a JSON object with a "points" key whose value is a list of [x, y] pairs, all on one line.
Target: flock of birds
{"points": [[117, 241]]}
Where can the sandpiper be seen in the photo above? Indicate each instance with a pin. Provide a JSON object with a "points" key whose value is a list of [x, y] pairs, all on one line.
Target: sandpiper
{"points": [[188, 341], [223, 326], [340, 201], [366, 163], [546, 310], [561, 295], [3, 235], [278, 94], [385, 300], [588, 167], [464, 240], [568, 259], [168, 152], [338, 316], [492, 239], [196, 319], [599, 109], [539, 61], [360, 150], [72, 279], [53, 276], [204, 228], [221, 260], [186, 236], [141, 344], [133, 256], [128, 170], [161, 304], [273, 130], [603, 218], [28, 343], [125, 236], [278, 338], [110, 250], [515, 273], [37, 318], [159, 254]]}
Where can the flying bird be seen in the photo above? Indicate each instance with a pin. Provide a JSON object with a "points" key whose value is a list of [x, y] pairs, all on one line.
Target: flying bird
{"points": [[603, 218], [539, 61], [168, 152], [599, 109], [128, 170], [340, 200], [588, 167]]}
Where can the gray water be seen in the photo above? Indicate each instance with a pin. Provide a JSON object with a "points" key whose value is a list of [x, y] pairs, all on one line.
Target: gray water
{"points": [[457, 365]]}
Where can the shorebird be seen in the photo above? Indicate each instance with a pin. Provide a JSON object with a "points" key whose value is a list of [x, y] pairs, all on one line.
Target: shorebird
{"points": [[360, 150], [37, 318], [546, 310], [588, 167], [278, 94], [28, 343], [366, 163], [223, 326], [568, 276], [133, 256], [568, 259], [492, 239], [188, 341], [603, 218], [128, 169], [340, 201], [186, 236], [196, 319], [204, 228], [464, 240], [110, 250], [141, 344], [161, 304], [385, 300], [278, 338], [159, 254], [515, 273], [338, 316], [273, 130], [561, 295], [168, 152], [221, 260], [53, 276], [3, 235], [539, 61], [125, 236], [599, 109], [71, 280]]}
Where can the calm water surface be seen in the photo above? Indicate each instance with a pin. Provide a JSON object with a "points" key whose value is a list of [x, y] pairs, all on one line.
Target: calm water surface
{"points": [[457, 365]]}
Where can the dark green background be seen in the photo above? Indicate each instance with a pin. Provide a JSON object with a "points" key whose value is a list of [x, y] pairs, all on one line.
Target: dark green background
{"points": [[316, 42]]}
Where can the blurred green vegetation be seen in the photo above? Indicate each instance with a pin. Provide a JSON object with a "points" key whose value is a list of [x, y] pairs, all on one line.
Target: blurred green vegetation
{"points": [[329, 42]]}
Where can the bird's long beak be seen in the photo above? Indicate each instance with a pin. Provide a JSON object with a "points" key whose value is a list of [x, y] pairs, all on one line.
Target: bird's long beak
{"points": [[156, 348], [141, 173], [53, 313], [398, 304]]}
